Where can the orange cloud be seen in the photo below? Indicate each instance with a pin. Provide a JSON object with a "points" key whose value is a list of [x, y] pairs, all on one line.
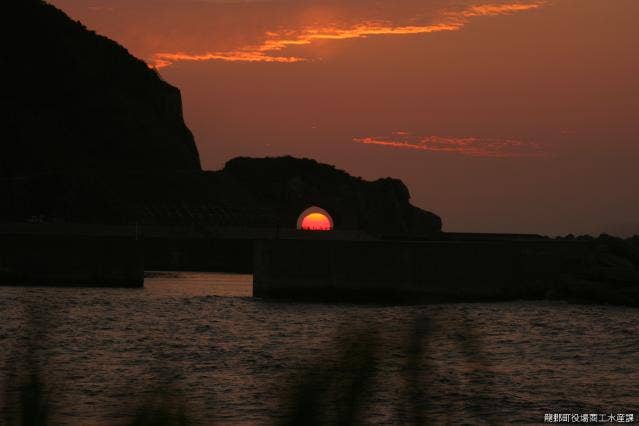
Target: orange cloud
{"points": [[277, 41], [471, 146], [499, 9], [165, 59]]}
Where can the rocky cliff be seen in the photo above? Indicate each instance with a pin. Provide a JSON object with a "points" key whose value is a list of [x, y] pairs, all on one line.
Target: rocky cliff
{"points": [[91, 134], [247, 192], [290, 185], [74, 100]]}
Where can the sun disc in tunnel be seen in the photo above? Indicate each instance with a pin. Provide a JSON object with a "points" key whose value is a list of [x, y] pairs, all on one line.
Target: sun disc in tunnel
{"points": [[315, 219]]}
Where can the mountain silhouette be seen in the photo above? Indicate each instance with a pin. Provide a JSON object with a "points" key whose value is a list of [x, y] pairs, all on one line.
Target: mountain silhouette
{"points": [[92, 134], [75, 100]]}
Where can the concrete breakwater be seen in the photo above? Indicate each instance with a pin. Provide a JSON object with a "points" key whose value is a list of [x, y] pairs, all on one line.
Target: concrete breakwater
{"points": [[54, 259], [223, 249], [408, 271]]}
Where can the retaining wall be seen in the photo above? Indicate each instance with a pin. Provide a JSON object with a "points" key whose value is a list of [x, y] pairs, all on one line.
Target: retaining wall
{"points": [[436, 270]]}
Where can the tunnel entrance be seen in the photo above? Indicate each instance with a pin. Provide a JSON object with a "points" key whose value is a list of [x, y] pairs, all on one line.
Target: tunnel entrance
{"points": [[315, 219]]}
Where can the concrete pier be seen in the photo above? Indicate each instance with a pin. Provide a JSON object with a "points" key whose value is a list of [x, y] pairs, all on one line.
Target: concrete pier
{"points": [[41, 255], [410, 271]]}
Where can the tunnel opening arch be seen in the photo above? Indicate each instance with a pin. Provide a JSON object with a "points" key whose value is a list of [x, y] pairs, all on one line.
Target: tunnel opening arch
{"points": [[315, 218]]}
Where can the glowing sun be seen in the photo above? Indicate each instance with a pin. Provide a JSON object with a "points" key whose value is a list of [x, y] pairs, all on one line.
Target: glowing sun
{"points": [[315, 219]]}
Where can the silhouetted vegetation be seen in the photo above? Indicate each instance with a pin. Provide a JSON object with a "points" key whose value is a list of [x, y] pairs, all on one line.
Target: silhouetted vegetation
{"points": [[26, 401], [336, 391], [27, 396], [341, 394], [163, 409]]}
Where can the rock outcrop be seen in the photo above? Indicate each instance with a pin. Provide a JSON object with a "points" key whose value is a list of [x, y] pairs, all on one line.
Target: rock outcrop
{"points": [[75, 100], [290, 185], [609, 274]]}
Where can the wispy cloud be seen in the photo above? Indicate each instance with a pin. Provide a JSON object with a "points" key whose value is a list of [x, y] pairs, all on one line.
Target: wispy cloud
{"points": [[274, 42], [471, 145], [499, 9]]}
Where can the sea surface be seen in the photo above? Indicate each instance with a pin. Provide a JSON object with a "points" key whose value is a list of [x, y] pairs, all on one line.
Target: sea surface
{"points": [[201, 346]]}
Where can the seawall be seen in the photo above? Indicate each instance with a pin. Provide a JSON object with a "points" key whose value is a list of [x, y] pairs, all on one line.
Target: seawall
{"points": [[42, 256], [410, 271]]}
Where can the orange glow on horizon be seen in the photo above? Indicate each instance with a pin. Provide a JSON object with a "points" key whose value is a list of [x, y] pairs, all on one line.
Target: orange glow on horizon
{"points": [[316, 222]]}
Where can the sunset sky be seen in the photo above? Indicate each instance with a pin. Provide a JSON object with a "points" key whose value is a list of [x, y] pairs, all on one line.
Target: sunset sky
{"points": [[500, 116]]}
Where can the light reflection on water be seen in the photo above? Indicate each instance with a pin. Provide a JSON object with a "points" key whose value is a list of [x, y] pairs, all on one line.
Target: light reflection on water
{"points": [[232, 358]]}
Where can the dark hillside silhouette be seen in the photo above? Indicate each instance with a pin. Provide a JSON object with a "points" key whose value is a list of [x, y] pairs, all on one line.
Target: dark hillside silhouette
{"points": [[92, 134], [290, 185], [265, 192], [75, 100]]}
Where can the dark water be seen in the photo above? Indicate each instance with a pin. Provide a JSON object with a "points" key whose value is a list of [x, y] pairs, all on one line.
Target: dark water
{"points": [[201, 341]]}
